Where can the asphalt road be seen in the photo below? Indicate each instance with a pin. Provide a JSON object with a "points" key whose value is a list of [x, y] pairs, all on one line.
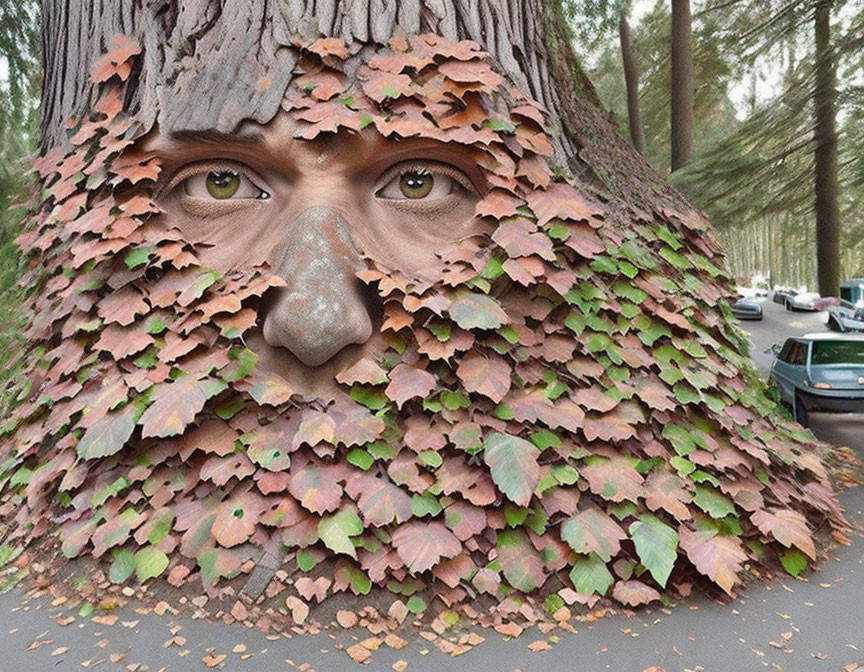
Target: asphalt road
{"points": [[779, 324]]}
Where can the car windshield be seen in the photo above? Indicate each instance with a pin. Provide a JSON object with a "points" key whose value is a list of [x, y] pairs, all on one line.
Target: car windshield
{"points": [[837, 352]]}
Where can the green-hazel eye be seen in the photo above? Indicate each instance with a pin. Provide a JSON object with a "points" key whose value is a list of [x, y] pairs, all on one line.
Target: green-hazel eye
{"points": [[416, 184], [222, 184]]}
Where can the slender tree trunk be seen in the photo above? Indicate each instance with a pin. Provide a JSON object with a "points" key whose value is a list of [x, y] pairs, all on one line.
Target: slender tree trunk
{"points": [[631, 80], [682, 85], [825, 183]]}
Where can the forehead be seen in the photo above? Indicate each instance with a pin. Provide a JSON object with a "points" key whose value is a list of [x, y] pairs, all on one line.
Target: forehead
{"points": [[279, 143]]}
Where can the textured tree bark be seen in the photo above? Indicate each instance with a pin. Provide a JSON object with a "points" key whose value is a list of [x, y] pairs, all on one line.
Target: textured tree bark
{"points": [[682, 85], [825, 154], [631, 80], [210, 64]]}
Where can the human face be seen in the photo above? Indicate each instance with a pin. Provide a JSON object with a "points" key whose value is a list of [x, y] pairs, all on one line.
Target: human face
{"points": [[317, 212]]}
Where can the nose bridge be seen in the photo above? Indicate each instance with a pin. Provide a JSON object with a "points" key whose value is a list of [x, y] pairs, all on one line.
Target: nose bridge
{"points": [[319, 242], [322, 308]]}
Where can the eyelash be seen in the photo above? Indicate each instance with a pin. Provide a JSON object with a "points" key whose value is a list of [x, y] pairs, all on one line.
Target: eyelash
{"points": [[421, 166], [395, 171], [212, 166]]}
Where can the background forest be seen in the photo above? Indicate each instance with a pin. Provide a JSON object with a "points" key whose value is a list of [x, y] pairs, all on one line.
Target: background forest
{"points": [[754, 76], [752, 162]]}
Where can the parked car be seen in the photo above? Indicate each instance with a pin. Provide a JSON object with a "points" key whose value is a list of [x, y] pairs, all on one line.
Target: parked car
{"points": [[820, 372], [780, 295], [853, 291], [745, 309], [802, 301], [846, 317]]}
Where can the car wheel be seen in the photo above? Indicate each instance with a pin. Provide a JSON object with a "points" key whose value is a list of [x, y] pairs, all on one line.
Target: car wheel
{"points": [[799, 412]]}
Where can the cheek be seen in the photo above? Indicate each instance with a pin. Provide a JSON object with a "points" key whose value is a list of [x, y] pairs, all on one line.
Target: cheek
{"points": [[410, 241], [226, 241]]}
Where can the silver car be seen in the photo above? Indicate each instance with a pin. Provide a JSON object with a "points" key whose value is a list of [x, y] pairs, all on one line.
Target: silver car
{"points": [[820, 372], [846, 317]]}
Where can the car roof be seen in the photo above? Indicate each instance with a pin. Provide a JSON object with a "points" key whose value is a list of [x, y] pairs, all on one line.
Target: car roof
{"points": [[826, 336]]}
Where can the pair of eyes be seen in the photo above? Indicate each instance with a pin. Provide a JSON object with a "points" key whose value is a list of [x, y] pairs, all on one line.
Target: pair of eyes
{"points": [[408, 181]]}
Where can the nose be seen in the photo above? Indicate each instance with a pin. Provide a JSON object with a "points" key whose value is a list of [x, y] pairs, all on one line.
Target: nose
{"points": [[322, 308]]}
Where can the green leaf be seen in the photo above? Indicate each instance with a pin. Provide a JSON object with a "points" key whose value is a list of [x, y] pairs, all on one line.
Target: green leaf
{"points": [[305, 561], [138, 256], [123, 565], [416, 604], [360, 458], [590, 575], [794, 562], [553, 603], [515, 515], [498, 124], [431, 458], [150, 562], [426, 504], [513, 465], [370, 398], [712, 502], [337, 529], [656, 545]]}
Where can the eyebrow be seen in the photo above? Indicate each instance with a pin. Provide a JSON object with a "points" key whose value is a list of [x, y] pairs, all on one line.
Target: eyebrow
{"points": [[250, 136]]}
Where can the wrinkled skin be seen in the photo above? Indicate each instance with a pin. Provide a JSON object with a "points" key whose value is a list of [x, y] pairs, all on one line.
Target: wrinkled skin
{"points": [[317, 211]]}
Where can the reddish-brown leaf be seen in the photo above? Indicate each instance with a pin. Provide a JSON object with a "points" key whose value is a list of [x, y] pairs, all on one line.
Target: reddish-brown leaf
{"points": [[634, 593], [614, 480], [406, 383], [665, 491], [593, 531], [719, 557], [175, 405], [787, 526], [520, 238], [421, 545], [236, 519], [486, 375], [116, 61]]}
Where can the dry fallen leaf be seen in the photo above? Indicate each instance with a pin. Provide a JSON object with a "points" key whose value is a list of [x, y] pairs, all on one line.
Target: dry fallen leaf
{"points": [[539, 645], [400, 665], [60, 651], [345, 618], [358, 653], [211, 660]]}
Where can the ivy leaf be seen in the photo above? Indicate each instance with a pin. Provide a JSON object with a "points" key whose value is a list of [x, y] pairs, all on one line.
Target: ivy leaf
{"points": [[590, 575], [786, 526], [613, 479], [793, 562], [107, 435], [513, 465], [477, 311], [593, 531], [489, 376], [719, 557], [407, 382], [520, 561], [712, 502], [634, 593], [656, 545], [175, 405], [421, 545], [336, 530], [150, 562], [123, 565]]}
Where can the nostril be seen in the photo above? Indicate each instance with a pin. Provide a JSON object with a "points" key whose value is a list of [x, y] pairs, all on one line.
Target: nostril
{"points": [[315, 328]]}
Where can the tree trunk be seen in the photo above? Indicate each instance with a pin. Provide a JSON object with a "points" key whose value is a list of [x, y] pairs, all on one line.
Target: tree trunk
{"points": [[682, 85], [631, 80], [206, 68], [825, 154]]}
